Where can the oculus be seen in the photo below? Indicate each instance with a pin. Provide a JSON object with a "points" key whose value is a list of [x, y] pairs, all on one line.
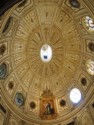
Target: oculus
{"points": [[83, 81], [32, 105], [91, 46], [88, 23], [19, 99], [75, 95], [2, 49], [46, 53], [62, 102], [90, 66], [74, 3], [3, 70]]}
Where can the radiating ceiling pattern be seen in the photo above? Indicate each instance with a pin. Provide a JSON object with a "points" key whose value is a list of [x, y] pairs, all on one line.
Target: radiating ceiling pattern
{"points": [[46, 25], [68, 29]]}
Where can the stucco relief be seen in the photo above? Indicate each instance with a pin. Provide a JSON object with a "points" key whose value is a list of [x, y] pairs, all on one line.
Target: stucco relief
{"points": [[86, 119], [1, 119], [13, 122]]}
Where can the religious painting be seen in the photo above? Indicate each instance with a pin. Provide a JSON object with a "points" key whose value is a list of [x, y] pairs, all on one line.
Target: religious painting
{"points": [[48, 107]]}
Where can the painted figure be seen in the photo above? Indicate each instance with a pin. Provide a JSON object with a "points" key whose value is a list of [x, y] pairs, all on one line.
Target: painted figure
{"points": [[48, 109]]}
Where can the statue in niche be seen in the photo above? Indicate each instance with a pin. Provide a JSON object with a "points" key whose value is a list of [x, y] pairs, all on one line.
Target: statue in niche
{"points": [[48, 109]]}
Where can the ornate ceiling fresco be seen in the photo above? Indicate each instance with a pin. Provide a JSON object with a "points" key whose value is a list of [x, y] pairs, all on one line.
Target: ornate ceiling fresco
{"points": [[67, 27]]}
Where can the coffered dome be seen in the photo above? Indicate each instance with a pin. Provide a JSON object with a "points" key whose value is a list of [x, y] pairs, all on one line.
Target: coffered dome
{"points": [[45, 45]]}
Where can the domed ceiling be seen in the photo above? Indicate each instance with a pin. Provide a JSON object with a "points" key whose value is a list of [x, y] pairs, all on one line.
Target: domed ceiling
{"points": [[33, 26]]}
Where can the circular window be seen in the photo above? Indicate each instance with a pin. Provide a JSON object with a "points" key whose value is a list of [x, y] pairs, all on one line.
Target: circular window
{"points": [[88, 23], [75, 95], [46, 53], [90, 66]]}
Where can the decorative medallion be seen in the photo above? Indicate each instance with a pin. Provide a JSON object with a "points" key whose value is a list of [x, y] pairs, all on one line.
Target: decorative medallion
{"points": [[32, 105], [10, 85], [3, 70], [2, 49], [90, 66], [62, 102], [74, 3], [19, 99], [83, 81], [91, 46]]}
